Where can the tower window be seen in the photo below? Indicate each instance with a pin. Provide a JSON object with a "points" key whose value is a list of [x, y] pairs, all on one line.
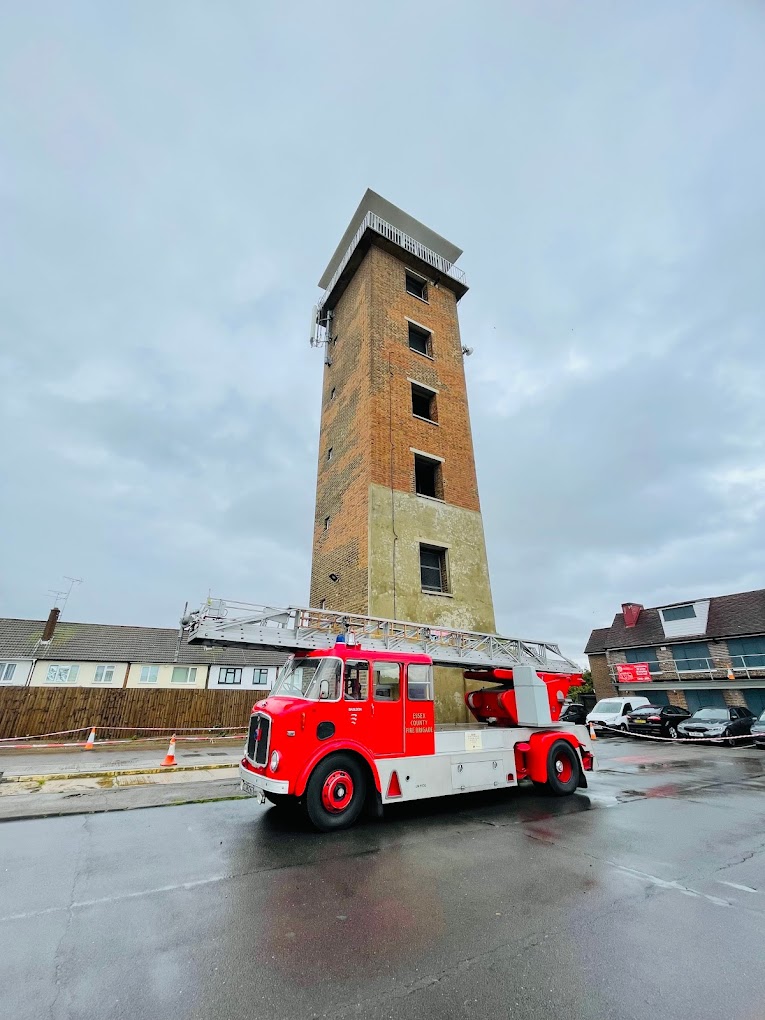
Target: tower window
{"points": [[326, 523], [433, 569], [329, 453], [416, 286], [419, 340], [427, 477], [332, 393], [423, 403]]}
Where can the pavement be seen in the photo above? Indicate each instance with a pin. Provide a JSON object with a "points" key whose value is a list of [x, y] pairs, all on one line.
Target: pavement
{"points": [[643, 896]]}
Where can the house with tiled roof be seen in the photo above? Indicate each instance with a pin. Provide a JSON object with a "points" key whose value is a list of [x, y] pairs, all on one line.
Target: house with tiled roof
{"points": [[55, 653], [699, 653]]}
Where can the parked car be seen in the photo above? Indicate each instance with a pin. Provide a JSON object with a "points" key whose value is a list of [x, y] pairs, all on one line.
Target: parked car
{"points": [[718, 722], [574, 713], [614, 711], [758, 731], [657, 720]]}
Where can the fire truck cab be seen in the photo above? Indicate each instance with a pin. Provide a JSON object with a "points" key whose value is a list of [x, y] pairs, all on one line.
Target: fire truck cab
{"points": [[347, 728]]}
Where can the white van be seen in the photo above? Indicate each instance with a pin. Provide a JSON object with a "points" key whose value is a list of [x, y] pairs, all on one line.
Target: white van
{"points": [[614, 711]]}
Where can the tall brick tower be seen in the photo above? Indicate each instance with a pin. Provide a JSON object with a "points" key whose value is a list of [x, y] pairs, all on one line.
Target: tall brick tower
{"points": [[398, 530]]}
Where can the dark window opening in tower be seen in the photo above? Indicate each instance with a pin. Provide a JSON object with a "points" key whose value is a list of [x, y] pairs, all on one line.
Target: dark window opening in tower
{"points": [[419, 340], [433, 569], [423, 403], [427, 477]]}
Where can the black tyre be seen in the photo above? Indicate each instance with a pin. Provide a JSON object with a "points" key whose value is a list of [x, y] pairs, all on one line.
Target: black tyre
{"points": [[335, 793], [672, 731], [562, 769]]}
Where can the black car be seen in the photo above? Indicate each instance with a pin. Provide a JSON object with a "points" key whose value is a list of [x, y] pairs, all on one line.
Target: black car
{"points": [[758, 731], [574, 713], [657, 720], [718, 723]]}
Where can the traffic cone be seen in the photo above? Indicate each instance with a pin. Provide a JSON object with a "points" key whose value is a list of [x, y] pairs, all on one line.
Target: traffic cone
{"points": [[593, 734], [170, 756], [91, 740], [731, 674]]}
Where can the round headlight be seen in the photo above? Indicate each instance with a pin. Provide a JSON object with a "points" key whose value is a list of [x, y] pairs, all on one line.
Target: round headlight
{"points": [[275, 759]]}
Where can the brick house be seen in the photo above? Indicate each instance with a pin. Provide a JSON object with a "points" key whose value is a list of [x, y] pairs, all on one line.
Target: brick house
{"points": [[705, 652]]}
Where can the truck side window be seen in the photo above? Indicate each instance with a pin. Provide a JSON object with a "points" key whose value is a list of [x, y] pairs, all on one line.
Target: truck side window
{"points": [[418, 682], [387, 681], [356, 680]]}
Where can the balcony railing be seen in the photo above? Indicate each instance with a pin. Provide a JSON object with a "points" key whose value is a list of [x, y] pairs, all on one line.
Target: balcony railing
{"points": [[374, 222], [743, 667]]}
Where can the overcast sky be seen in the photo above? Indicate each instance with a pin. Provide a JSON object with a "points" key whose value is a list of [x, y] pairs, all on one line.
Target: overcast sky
{"points": [[173, 180]]}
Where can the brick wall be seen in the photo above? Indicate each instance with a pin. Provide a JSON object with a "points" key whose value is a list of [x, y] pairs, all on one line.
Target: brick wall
{"points": [[342, 486], [601, 679]]}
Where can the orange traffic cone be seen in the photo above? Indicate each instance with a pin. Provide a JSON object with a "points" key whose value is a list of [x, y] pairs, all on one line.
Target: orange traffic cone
{"points": [[91, 740], [170, 756], [731, 674], [593, 734]]}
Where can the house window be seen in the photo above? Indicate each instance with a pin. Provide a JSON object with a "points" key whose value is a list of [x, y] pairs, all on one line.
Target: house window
{"points": [[433, 569], [7, 669], [184, 675], [423, 403], [747, 653], [419, 340], [260, 677], [416, 286], [644, 655], [104, 673], [692, 657], [329, 453], [678, 613], [149, 674], [62, 674], [427, 477], [230, 675]]}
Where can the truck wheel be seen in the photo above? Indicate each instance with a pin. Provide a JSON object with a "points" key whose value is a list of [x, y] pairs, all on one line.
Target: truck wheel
{"points": [[335, 793], [562, 768]]}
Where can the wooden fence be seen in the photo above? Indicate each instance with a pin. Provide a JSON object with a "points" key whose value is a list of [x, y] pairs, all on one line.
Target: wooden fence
{"points": [[28, 711]]}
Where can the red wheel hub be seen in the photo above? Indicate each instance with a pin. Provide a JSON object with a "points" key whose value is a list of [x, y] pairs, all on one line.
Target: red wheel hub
{"points": [[337, 792], [563, 768]]}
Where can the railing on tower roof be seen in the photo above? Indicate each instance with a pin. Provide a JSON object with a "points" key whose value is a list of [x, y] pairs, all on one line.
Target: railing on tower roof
{"points": [[373, 222]]}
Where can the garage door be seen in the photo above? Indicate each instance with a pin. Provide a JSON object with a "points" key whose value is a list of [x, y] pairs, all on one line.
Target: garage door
{"points": [[705, 699], [755, 701]]}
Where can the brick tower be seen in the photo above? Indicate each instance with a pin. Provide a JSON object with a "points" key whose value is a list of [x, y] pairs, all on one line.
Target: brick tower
{"points": [[398, 530]]}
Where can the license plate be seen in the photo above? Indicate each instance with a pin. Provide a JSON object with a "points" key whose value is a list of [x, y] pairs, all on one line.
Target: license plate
{"points": [[640, 722], [249, 788]]}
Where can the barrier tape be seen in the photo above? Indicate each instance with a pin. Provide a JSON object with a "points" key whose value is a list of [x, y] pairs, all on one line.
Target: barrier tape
{"points": [[131, 729], [671, 740]]}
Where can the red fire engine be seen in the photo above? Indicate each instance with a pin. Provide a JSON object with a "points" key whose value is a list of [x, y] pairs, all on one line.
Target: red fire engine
{"points": [[350, 723]]}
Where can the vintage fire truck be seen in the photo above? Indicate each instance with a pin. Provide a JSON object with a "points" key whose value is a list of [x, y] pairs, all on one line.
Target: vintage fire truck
{"points": [[350, 722]]}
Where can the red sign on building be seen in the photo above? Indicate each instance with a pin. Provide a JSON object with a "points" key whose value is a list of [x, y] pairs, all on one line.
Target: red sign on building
{"points": [[633, 672]]}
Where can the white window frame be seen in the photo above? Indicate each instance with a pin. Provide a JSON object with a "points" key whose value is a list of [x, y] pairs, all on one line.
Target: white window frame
{"points": [[422, 279], [191, 676], [55, 671], [262, 671], [222, 670], [149, 675], [5, 676], [106, 670]]}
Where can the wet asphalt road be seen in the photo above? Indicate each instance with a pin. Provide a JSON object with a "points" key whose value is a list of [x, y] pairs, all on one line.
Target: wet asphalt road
{"points": [[643, 897]]}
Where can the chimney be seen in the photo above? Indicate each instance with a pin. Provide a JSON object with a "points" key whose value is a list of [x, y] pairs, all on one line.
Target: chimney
{"points": [[631, 612], [50, 625]]}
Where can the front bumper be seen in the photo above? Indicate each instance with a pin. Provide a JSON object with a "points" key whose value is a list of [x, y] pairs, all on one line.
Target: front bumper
{"points": [[253, 783]]}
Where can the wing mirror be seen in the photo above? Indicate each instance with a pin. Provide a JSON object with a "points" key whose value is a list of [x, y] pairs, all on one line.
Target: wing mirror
{"points": [[324, 690]]}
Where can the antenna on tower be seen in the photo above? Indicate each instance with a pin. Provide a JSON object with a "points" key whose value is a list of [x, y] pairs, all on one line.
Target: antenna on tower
{"points": [[320, 327]]}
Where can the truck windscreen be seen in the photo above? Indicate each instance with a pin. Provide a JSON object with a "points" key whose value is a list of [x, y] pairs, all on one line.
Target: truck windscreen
{"points": [[313, 679]]}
